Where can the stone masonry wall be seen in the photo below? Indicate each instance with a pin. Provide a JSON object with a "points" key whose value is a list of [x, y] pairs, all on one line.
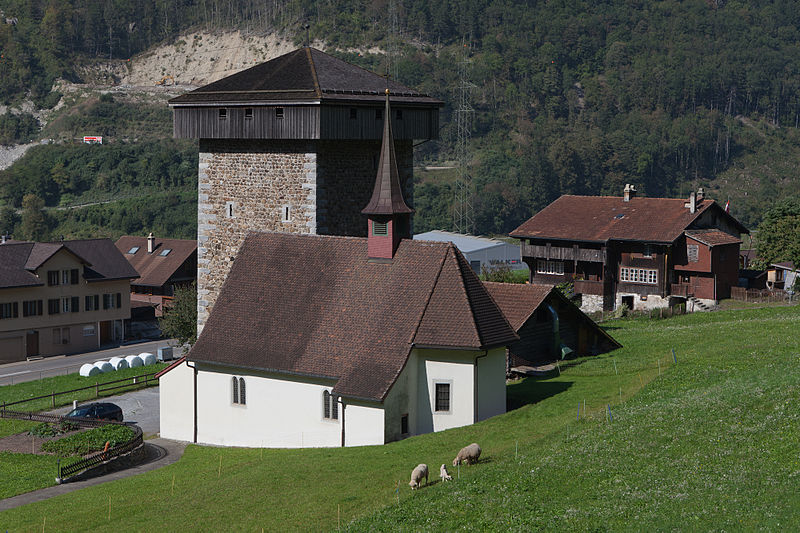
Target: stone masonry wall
{"points": [[247, 185], [346, 172], [243, 186]]}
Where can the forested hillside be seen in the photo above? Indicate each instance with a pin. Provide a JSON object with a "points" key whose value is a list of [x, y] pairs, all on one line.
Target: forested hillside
{"points": [[569, 96]]}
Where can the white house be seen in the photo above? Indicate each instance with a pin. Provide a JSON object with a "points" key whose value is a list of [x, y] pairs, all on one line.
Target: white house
{"points": [[479, 251], [342, 341]]}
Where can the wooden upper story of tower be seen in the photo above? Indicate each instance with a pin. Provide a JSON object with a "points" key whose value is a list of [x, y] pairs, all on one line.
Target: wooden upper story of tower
{"points": [[305, 94]]}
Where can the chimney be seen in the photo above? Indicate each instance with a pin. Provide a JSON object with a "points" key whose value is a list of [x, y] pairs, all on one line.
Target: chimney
{"points": [[151, 243], [628, 193], [692, 203], [701, 193]]}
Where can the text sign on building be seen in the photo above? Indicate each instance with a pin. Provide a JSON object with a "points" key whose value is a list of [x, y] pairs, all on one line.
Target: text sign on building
{"points": [[92, 140]]}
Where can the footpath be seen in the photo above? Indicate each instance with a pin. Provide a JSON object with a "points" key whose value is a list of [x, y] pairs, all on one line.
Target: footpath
{"points": [[158, 453]]}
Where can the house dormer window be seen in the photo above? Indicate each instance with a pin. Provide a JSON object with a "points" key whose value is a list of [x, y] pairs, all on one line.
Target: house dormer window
{"points": [[278, 112], [248, 113], [223, 113]]}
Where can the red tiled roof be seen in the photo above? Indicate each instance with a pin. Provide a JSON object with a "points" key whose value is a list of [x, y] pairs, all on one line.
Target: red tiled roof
{"points": [[605, 218], [316, 306], [712, 237], [518, 301], [154, 269]]}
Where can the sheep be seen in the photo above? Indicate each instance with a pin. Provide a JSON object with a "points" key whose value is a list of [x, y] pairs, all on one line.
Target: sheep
{"points": [[468, 454], [421, 471], [444, 475]]}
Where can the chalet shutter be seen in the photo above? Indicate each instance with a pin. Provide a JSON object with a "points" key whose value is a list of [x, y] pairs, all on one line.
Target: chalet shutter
{"points": [[74, 276], [119, 300], [76, 304]]}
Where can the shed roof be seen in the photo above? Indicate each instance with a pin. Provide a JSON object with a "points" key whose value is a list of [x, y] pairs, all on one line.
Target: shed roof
{"points": [[465, 243], [353, 320], [606, 218], [712, 237], [518, 301], [304, 75], [155, 269]]}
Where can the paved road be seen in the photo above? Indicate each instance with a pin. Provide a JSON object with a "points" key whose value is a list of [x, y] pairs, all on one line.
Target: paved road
{"points": [[140, 407], [59, 365]]}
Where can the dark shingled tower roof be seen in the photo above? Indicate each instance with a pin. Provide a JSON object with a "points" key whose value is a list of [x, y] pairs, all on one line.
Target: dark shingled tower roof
{"points": [[316, 306], [306, 74], [387, 196]]}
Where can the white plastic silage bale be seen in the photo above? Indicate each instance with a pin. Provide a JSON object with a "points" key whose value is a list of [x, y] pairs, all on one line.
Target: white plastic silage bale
{"points": [[134, 361], [148, 358], [89, 370], [119, 363], [104, 366]]}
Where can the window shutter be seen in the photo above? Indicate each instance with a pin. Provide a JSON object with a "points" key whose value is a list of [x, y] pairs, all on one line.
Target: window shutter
{"points": [[74, 276], [119, 300], [76, 304], [96, 302], [16, 309]]}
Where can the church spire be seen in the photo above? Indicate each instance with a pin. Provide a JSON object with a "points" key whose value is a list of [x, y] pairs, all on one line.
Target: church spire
{"points": [[388, 213]]}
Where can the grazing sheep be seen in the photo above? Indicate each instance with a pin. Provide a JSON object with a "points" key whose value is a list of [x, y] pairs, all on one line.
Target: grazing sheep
{"points": [[444, 475], [468, 454], [421, 471]]}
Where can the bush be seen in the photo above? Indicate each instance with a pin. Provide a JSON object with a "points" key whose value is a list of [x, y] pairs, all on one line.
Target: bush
{"points": [[90, 441]]}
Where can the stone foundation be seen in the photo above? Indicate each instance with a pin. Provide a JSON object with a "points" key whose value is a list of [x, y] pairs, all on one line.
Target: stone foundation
{"points": [[591, 303]]}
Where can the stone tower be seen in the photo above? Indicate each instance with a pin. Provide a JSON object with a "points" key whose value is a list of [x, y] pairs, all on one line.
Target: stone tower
{"points": [[292, 145]]}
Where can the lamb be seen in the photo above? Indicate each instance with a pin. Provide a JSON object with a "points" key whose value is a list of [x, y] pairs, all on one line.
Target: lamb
{"points": [[468, 454], [421, 471], [444, 475]]}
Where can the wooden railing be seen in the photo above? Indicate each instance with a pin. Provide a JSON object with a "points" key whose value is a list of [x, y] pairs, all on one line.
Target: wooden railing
{"points": [[684, 290], [67, 471], [758, 295], [563, 253], [585, 286]]}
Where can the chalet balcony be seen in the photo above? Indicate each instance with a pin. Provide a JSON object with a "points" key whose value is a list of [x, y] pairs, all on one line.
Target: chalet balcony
{"points": [[683, 290], [583, 286], [563, 253]]}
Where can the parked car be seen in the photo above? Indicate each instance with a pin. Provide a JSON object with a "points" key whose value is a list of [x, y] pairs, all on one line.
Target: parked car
{"points": [[100, 411]]}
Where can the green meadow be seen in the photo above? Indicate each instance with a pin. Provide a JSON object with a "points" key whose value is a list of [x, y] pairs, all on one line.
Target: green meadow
{"points": [[708, 443]]}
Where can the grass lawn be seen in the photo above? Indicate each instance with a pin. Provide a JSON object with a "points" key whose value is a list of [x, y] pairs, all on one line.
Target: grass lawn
{"points": [[709, 443], [24, 472], [32, 389]]}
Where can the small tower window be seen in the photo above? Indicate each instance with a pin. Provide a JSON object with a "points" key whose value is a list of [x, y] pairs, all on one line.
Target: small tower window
{"points": [[286, 214], [238, 391], [379, 114], [248, 113], [229, 209], [380, 229], [330, 409], [398, 114], [223, 113], [278, 112]]}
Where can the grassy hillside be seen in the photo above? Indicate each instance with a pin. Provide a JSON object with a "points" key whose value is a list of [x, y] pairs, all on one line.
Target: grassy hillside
{"points": [[709, 443]]}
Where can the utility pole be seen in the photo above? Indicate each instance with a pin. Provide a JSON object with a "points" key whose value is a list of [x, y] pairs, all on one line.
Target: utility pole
{"points": [[463, 216], [393, 38]]}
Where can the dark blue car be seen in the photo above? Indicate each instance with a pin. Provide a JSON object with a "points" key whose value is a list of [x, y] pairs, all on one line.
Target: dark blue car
{"points": [[99, 411]]}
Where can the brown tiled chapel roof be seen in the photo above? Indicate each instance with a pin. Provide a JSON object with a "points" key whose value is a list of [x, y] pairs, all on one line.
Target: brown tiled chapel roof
{"points": [[605, 218], [316, 306], [305, 74]]}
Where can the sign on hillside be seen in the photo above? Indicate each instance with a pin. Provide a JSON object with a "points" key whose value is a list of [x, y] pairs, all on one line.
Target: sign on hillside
{"points": [[93, 140]]}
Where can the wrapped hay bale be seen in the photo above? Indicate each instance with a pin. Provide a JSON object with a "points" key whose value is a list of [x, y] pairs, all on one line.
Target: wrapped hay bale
{"points": [[104, 366], [88, 370], [134, 361], [119, 363], [148, 358]]}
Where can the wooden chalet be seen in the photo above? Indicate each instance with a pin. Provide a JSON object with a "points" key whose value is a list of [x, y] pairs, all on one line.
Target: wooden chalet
{"points": [[641, 252]]}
